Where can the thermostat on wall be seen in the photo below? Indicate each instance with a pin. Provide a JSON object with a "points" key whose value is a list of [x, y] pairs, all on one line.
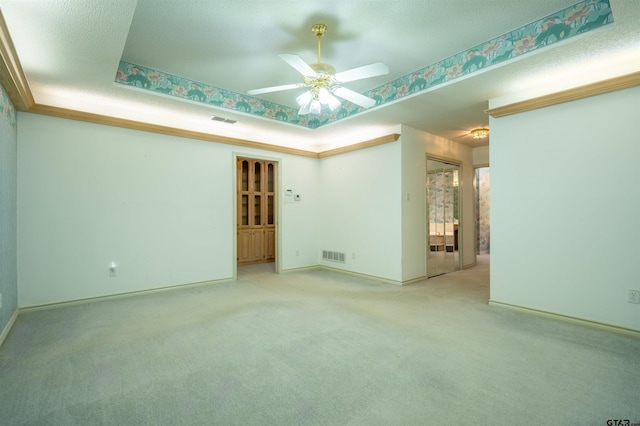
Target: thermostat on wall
{"points": [[288, 195]]}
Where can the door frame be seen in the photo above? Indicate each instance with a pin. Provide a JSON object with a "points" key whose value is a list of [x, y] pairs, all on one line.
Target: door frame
{"points": [[461, 227], [234, 216]]}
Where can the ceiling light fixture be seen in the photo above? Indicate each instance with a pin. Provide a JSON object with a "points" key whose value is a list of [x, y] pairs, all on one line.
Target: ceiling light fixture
{"points": [[315, 98], [479, 133]]}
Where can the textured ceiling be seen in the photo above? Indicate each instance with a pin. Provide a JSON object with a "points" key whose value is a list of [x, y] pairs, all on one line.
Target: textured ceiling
{"points": [[70, 51]]}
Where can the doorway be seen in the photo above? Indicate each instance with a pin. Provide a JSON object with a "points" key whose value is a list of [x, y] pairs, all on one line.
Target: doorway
{"points": [[482, 186], [443, 217], [256, 211]]}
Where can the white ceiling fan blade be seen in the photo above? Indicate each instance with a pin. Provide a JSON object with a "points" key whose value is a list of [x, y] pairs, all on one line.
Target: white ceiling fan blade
{"points": [[275, 88], [296, 62], [371, 70], [354, 97]]}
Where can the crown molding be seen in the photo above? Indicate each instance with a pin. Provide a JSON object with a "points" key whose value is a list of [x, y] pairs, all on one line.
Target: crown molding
{"points": [[362, 145], [593, 89], [190, 134], [12, 77], [165, 130]]}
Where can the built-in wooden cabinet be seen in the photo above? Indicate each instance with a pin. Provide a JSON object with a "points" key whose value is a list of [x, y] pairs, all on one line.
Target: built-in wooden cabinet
{"points": [[256, 196]]}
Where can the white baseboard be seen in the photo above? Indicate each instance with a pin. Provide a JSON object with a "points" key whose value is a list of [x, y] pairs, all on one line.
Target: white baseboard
{"points": [[120, 295], [355, 274], [300, 269], [567, 318], [8, 327], [415, 280], [359, 275]]}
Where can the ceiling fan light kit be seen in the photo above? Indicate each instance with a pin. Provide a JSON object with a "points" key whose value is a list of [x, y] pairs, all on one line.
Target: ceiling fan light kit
{"points": [[323, 83]]}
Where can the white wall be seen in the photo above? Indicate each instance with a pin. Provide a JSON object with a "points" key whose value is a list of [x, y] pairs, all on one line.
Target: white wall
{"points": [[161, 207], [360, 214], [8, 205], [416, 145], [298, 221], [565, 208], [481, 156]]}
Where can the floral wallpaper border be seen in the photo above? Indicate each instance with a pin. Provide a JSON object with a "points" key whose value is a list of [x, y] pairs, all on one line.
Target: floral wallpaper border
{"points": [[579, 18], [8, 110]]}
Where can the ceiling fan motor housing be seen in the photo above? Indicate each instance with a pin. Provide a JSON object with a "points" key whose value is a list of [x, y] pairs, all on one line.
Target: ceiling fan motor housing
{"points": [[322, 68], [319, 29]]}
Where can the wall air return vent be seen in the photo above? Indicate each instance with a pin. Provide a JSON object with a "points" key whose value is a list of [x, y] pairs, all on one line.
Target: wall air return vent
{"points": [[333, 256]]}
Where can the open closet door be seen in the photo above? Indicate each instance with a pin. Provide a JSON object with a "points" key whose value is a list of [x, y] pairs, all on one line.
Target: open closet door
{"points": [[443, 210]]}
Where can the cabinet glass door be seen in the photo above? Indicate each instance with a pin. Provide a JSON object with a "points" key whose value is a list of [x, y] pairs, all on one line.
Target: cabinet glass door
{"points": [[256, 210]]}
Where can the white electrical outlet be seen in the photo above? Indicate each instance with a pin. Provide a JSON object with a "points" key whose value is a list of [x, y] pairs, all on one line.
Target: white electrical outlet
{"points": [[634, 296], [112, 269]]}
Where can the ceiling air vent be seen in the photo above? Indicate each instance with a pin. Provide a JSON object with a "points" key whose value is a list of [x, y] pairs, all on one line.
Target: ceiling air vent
{"points": [[333, 256], [224, 120]]}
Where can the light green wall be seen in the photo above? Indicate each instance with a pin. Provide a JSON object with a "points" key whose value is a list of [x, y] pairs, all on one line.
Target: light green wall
{"points": [[416, 145], [481, 156], [8, 203], [360, 213], [161, 207], [565, 208]]}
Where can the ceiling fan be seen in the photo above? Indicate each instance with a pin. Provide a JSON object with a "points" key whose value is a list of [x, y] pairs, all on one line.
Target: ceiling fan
{"points": [[324, 83]]}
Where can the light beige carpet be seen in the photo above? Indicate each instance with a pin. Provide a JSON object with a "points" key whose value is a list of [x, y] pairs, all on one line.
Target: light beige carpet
{"points": [[317, 348]]}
